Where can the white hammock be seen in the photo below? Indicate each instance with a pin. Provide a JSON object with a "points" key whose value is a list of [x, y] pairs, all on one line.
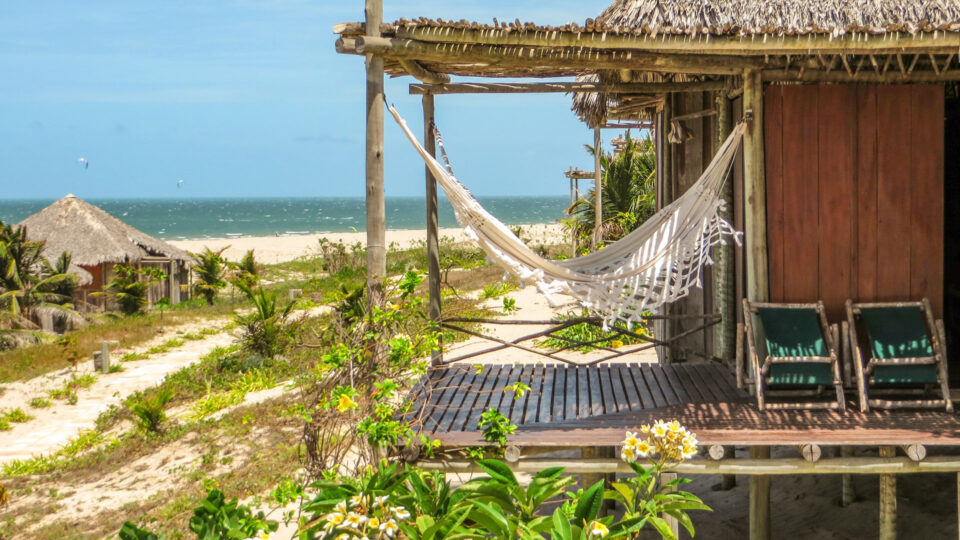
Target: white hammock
{"points": [[655, 264]]}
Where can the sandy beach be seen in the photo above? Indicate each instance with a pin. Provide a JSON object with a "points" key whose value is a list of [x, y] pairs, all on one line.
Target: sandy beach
{"points": [[275, 249]]}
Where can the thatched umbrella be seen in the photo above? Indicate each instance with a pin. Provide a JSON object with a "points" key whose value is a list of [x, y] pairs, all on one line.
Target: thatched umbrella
{"points": [[93, 237]]}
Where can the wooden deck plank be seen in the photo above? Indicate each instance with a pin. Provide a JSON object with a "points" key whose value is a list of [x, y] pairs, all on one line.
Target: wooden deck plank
{"points": [[597, 405], [614, 400], [726, 380], [457, 405], [484, 395], [583, 392], [442, 386], [471, 392], [545, 409], [634, 403], [667, 378], [705, 383], [501, 399], [640, 384], [533, 397], [682, 379]]}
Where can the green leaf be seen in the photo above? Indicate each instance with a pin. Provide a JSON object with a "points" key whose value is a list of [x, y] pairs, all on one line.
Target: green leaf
{"points": [[498, 470], [550, 472], [662, 527], [561, 526], [589, 505], [491, 518]]}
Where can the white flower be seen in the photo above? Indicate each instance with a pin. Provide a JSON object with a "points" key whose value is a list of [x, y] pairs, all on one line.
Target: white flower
{"points": [[628, 454], [401, 513], [659, 429], [356, 500], [341, 507], [381, 500], [332, 520], [598, 529], [389, 527], [355, 520]]}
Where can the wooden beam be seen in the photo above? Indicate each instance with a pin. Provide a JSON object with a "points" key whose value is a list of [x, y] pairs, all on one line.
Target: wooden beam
{"points": [[760, 498], [433, 240], [777, 75], [376, 211], [888, 499], [567, 87], [847, 492], [579, 59], [755, 207], [421, 73], [854, 43], [597, 189]]}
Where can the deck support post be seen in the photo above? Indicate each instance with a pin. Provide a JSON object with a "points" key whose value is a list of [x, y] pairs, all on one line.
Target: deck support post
{"points": [[847, 493], [754, 188], [888, 499], [728, 481], [672, 522], [760, 498], [376, 211], [433, 240], [597, 189], [588, 479]]}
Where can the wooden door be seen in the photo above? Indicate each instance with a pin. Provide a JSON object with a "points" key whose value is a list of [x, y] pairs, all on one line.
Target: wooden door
{"points": [[854, 193]]}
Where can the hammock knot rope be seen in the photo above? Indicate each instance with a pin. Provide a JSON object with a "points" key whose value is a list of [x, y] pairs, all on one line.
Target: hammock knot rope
{"points": [[655, 264]]}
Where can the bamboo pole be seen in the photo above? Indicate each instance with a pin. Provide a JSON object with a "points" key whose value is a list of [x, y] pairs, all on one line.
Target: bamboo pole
{"points": [[841, 76], [847, 493], [755, 207], [888, 499], [376, 211], [852, 43], [753, 466], [567, 87], [433, 241], [723, 271], [417, 70], [525, 57], [760, 498], [597, 189]]}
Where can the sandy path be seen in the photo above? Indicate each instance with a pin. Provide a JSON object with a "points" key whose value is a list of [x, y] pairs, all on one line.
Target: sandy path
{"points": [[56, 425], [275, 249], [532, 306]]}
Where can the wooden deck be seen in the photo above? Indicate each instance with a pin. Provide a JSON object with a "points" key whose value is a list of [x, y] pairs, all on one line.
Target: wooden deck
{"points": [[593, 406]]}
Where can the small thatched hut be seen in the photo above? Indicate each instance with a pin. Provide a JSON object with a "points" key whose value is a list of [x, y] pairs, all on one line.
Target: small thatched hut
{"points": [[96, 241]]}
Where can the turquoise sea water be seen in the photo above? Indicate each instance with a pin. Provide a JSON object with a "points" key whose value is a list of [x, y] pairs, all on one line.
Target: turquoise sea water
{"points": [[178, 219]]}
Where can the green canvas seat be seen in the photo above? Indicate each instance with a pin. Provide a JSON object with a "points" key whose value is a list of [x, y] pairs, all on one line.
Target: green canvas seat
{"points": [[796, 351], [795, 332], [895, 345]]}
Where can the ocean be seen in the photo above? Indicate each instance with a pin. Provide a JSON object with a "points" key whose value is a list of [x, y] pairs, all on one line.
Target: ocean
{"points": [[187, 219]]}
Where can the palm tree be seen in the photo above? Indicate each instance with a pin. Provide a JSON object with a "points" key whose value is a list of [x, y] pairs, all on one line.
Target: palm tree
{"points": [[209, 272], [29, 286], [628, 182], [266, 330]]}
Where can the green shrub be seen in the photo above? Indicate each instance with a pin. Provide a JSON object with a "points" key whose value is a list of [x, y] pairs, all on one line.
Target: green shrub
{"points": [[266, 330], [39, 403], [497, 289], [149, 409], [17, 416]]}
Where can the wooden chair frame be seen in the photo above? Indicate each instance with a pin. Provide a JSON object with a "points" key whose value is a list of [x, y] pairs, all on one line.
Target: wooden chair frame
{"points": [[761, 372], [864, 371]]}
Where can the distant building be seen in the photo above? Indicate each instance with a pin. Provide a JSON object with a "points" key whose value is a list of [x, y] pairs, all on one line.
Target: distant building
{"points": [[96, 241]]}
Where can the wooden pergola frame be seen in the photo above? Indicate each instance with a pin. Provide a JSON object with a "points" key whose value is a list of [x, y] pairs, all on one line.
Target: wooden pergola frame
{"points": [[433, 52]]}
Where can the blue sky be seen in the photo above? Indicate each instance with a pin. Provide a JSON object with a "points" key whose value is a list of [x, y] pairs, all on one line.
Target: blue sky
{"points": [[247, 98]]}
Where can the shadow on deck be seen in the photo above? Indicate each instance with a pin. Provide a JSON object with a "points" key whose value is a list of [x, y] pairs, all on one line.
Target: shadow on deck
{"points": [[593, 406]]}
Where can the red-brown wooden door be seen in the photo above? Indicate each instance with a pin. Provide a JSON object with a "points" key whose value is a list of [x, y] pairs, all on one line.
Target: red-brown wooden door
{"points": [[854, 193]]}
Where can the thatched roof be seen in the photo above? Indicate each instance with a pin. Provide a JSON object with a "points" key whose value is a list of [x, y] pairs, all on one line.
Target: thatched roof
{"points": [[92, 236], [781, 17]]}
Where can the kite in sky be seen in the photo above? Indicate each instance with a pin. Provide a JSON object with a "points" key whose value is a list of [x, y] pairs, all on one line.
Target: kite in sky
{"points": [[83, 161], [179, 183]]}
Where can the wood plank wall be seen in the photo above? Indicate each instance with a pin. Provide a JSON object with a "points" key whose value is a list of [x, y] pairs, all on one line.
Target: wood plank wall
{"points": [[855, 193]]}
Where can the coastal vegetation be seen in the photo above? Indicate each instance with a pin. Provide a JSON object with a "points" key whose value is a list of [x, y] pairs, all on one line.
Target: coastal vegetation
{"points": [[628, 196]]}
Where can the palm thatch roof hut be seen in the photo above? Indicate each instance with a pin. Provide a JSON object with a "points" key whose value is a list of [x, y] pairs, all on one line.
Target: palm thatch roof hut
{"points": [[96, 241]]}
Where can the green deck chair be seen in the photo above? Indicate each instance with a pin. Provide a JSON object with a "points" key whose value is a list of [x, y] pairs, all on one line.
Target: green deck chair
{"points": [[897, 346], [792, 350]]}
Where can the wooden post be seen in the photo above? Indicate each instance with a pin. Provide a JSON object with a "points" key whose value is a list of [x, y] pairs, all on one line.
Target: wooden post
{"points": [[754, 184], [847, 493], [597, 188], [376, 211], [666, 478], [433, 241], [105, 357], [728, 481], [760, 498], [888, 499]]}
